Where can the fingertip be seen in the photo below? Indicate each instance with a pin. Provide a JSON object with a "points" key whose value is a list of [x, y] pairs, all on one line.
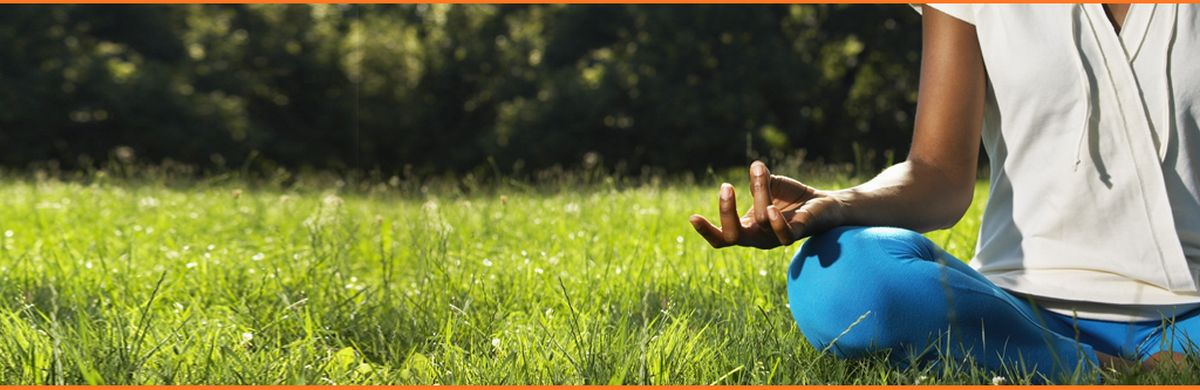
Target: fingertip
{"points": [[757, 168]]}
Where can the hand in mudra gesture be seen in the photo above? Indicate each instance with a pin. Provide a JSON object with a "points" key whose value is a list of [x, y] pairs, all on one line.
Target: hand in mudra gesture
{"points": [[784, 210]]}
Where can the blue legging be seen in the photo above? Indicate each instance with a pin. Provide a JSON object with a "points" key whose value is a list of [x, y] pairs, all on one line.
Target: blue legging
{"points": [[855, 291]]}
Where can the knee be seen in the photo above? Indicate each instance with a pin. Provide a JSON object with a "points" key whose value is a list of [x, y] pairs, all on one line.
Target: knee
{"points": [[853, 248], [843, 284]]}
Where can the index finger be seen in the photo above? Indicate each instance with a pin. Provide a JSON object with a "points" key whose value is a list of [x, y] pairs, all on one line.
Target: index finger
{"points": [[783, 230]]}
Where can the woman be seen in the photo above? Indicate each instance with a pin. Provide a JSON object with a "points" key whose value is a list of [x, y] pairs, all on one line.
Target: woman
{"points": [[1089, 250]]}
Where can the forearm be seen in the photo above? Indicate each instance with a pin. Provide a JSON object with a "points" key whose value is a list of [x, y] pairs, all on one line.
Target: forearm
{"points": [[934, 187], [910, 195]]}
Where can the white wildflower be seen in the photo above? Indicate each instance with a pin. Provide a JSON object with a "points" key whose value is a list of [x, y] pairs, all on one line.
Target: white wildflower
{"points": [[247, 336], [8, 233], [191, 265], [487, 263], [258, 257], [332, 200], [148, 202], [999, 380], [433, 218], [496, 343]]}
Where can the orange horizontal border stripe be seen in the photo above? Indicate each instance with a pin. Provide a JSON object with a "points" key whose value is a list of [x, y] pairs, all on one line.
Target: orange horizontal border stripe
{"points": [[601, 387], [596, 387], [549, 2]]}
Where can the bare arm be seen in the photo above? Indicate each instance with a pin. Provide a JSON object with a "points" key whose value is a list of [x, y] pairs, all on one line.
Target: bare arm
{"points": [[930, 190], [933, 188]]}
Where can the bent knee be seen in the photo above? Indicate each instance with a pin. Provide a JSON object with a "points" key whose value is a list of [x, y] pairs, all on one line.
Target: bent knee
{"points": [[856, 247], [852, 319], [850, 257], [864, 237], [845, 285]]}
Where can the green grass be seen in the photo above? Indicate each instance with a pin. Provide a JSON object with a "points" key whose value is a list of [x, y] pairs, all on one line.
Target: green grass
{"points": [[220, 281]]}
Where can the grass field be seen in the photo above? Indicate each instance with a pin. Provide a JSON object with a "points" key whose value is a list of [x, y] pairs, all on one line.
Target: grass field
{"points": [[218, 281]]}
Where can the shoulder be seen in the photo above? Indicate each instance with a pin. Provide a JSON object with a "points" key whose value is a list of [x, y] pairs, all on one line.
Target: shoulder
{"points": [[991, 15], [963, 12]]}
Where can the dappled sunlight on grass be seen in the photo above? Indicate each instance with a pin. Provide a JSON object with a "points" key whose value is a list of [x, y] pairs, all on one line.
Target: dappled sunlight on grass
{"points": [[136, 281]]}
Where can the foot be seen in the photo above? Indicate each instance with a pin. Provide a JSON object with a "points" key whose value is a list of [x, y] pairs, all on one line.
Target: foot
{"points": [[1164, 357]]}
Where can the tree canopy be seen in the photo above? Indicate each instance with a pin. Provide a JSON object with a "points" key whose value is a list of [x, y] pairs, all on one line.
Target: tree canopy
{"points": [[453, 87]]}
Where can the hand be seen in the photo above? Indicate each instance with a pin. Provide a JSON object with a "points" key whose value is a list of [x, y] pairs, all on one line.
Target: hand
{"points": [[785, 210]]}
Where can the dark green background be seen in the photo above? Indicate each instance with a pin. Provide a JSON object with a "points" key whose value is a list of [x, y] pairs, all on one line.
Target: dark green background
{"points": [[441, 88]]}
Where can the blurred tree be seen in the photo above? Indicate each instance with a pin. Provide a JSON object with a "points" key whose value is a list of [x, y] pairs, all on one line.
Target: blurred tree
{"points": [[454, 87]]}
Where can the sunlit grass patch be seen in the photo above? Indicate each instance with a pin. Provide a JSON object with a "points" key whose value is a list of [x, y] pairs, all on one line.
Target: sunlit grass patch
{"points": [[230, 281]]}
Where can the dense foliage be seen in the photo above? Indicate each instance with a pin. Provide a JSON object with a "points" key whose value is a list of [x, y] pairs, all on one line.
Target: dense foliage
{"points": [[443, 87]]}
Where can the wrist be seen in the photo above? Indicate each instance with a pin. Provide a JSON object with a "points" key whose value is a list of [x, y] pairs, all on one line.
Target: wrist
{"points": [[842, 210]]}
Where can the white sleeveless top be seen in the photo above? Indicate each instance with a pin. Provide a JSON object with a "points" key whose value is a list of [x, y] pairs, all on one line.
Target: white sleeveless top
{"points": [[1094, 142]]}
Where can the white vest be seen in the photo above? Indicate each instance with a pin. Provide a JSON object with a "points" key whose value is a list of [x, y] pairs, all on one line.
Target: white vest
{"points": [[1094, 142]]}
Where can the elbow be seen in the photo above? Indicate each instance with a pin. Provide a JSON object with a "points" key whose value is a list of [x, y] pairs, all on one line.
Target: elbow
{"points": [[953, 205], [953, 186]]}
